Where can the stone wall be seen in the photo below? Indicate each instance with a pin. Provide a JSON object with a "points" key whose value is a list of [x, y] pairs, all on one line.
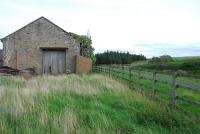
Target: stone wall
{"points": [[1, 57], [23, 49]]}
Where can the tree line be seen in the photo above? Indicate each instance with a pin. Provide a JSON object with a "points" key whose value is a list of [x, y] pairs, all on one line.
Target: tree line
{"points": [[116, 57]]}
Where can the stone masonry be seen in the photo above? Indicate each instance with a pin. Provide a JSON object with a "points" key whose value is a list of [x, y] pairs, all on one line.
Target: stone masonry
{"points": [[23, 48]]}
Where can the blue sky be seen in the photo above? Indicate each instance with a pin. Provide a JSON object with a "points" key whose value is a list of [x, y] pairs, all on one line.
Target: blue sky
{"points": [[150, 27]]}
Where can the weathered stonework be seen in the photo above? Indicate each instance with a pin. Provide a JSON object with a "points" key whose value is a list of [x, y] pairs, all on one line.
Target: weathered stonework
{"points": [[23, 49]]}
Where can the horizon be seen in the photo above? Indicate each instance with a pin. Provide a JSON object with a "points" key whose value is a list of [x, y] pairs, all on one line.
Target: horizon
{"points": [[151, 28]]}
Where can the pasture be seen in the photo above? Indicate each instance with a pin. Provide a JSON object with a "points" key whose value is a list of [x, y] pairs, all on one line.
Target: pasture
{"points": [[183, 91], [85, 104], [189, 65]]}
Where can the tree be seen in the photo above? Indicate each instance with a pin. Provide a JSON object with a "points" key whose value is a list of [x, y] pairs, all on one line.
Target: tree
{"points": [[166, 58], [116, 57], [163, 58], [85, 45], [155, 60]]}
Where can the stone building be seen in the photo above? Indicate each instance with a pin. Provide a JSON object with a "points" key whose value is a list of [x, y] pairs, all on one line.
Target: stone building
{"points": [[1, 58], [41, 45]]}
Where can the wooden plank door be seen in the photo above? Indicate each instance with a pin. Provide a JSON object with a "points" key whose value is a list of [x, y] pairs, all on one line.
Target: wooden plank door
{"points": [[54, 62]]}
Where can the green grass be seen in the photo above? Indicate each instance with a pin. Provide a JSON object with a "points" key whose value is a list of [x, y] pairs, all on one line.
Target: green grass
{"points": [[189, 65], [85, 104], [146, 87], [186, 58]]}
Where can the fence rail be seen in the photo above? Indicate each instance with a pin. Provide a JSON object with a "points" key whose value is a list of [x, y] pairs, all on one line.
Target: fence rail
{"points": [[171, 79]]}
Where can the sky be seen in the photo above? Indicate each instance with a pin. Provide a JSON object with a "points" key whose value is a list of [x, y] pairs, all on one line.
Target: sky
{"points": [[148, 27]]}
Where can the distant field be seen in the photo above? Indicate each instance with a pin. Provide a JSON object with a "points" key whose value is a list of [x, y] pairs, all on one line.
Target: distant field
{"points": [[186, 58], [85, 104], [190, 65]]}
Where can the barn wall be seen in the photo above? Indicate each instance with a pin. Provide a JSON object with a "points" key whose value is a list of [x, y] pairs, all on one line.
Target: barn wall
{"points": [[23, 48], [1, 57], [83, 65]]}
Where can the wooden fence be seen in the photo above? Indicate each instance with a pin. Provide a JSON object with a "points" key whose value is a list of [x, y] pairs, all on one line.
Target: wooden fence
{"points": [[127, 74]]}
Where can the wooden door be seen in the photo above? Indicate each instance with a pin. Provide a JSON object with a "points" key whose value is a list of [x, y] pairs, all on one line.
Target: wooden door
{"points": [[54, 62]]}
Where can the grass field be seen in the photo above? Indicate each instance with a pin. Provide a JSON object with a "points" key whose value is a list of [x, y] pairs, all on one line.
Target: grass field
{"points": [[85, 104], [145, 85], [190, 65], [186, 58]]}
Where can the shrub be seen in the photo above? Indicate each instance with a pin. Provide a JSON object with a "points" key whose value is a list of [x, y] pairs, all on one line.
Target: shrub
{"points": [[163, 58]]}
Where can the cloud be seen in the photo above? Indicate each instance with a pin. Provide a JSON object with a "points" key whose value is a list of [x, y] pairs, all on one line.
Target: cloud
{"points": [[128, 25], [176, 50]]}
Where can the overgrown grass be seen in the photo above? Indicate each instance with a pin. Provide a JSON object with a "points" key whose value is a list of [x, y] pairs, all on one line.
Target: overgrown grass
{"points": [[85, 104]]}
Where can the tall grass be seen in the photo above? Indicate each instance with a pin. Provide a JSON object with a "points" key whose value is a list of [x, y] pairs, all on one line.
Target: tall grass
{"points": [[84, 104]]}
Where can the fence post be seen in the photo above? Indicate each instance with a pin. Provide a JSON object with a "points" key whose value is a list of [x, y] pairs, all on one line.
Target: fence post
{"points": [[129, 74], [154, 84], [174, 84], [139, 75]]}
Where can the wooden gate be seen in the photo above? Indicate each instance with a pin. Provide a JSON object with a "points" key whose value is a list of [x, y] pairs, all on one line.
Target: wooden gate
{"points": [[54, 61]]}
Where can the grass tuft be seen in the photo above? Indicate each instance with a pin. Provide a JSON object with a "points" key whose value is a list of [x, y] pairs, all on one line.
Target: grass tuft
{"points": [[85, 104]]}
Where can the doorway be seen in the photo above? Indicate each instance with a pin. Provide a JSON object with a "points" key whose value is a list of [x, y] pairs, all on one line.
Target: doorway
{"points": [[54, 61]]}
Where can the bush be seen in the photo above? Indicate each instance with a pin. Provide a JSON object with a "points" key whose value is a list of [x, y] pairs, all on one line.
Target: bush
{"points": [[163, 58], [155, 60], [166, 58]]}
